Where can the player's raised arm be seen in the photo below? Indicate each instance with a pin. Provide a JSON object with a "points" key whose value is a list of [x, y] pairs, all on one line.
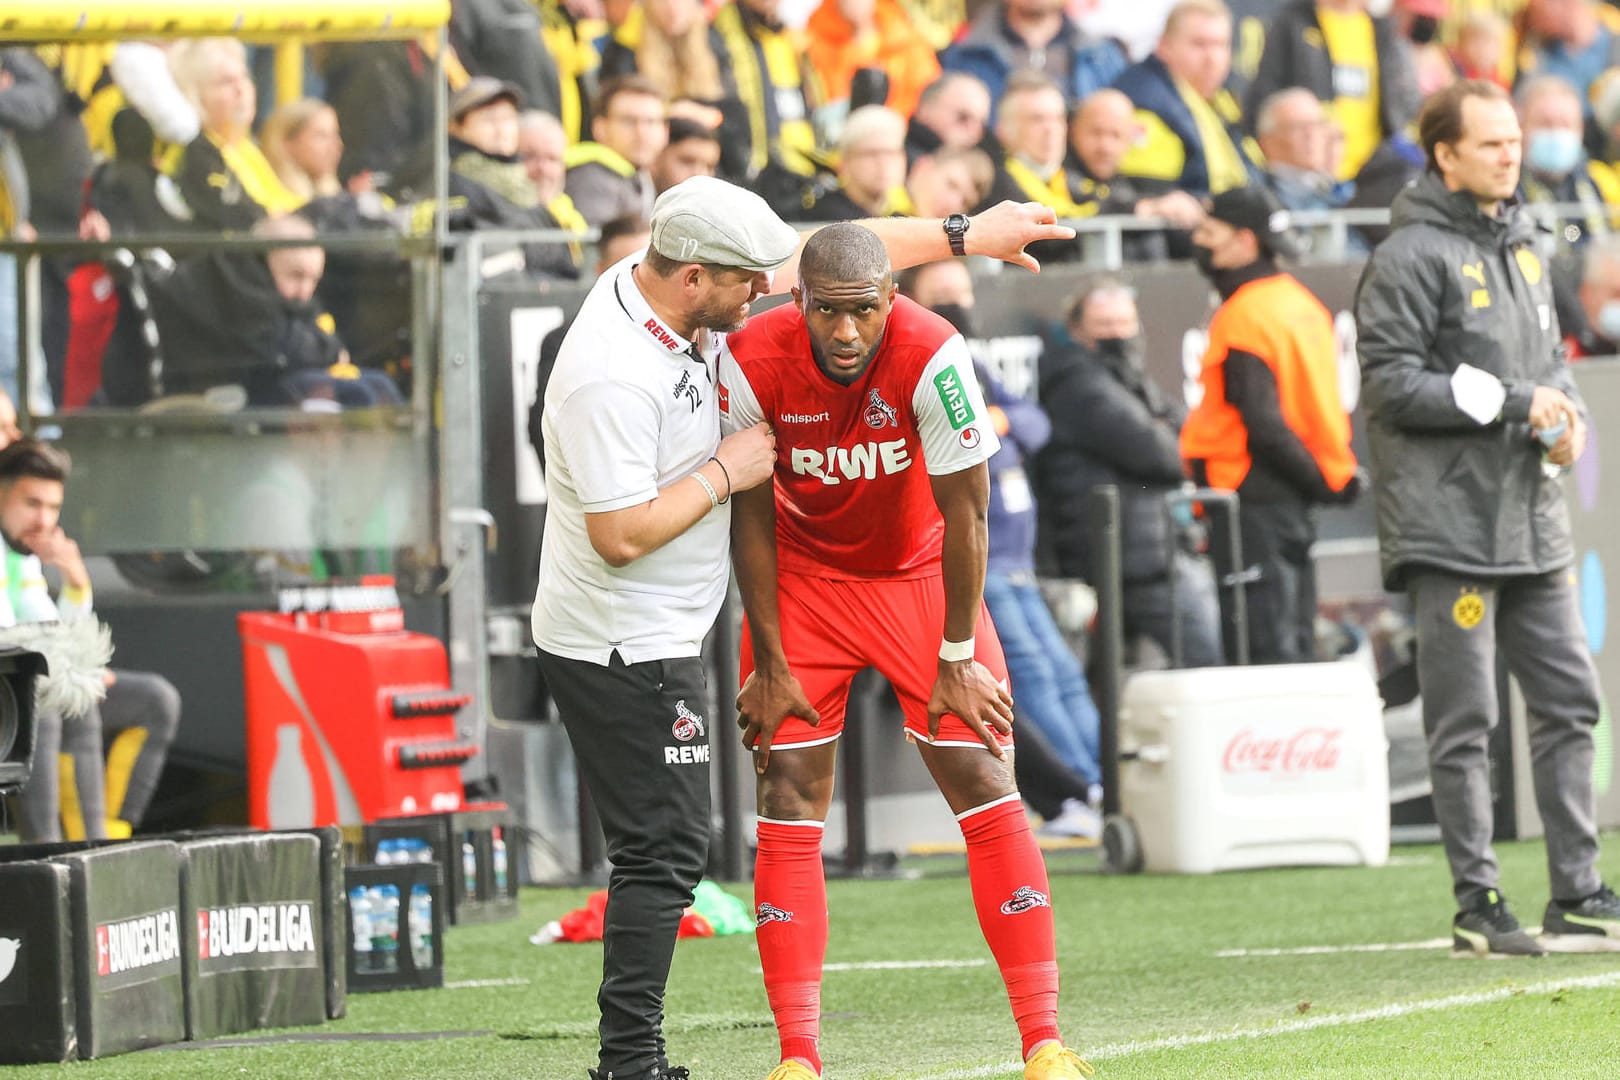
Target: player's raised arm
{"points": [[1001, 232]]}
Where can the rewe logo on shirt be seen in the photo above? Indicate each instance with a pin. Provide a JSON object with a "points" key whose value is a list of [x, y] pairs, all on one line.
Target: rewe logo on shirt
{"points": [[859, 462]]}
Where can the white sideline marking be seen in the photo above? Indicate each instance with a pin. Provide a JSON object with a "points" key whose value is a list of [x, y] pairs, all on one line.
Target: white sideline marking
{"points": [[479, 984], [1289, 1027], [1328, 950]]}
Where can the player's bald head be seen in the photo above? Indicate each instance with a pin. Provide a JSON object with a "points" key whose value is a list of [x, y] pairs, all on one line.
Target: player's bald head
{"points": [[845, 252]]}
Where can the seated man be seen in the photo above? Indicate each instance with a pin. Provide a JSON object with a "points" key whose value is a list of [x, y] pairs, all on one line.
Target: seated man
{"points": [[1595, 328], [871, 169], [33, 477], [1300, 143], [693, 149], [953, 112], [607, 177], [252, 320], [1103, 129], [950, 180]]}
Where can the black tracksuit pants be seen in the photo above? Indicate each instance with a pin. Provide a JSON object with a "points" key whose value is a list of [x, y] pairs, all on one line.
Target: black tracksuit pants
{"points": [[643, 749]]}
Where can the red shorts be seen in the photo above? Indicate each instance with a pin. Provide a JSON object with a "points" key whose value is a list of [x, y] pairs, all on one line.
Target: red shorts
{"points": [[833, 629]]}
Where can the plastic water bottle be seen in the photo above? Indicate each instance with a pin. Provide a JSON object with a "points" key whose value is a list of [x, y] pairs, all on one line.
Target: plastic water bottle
{"points": [[421, 927], [360, 919], [413, 849], [498, 859], [385, 928], [1549, 438], [387, 853], [469, 870]]}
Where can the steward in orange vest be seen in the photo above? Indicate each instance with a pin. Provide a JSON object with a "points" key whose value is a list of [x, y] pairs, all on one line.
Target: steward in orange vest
{"points": [[1270, 425]]}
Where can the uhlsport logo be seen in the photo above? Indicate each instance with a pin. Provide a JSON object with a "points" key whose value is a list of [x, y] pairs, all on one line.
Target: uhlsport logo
{"points": [[144, 941], [1025, 898], [771, 913], [879, 413], [280, 929], [688, 724]]}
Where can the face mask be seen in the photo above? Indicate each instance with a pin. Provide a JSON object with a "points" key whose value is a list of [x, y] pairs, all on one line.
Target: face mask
{"points": [[1424, 29], [1129, 349], [1609, 321], [958, 316], [1205, 258], [1553, 153]]}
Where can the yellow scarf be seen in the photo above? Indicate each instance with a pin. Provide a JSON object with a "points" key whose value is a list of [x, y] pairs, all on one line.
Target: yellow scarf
{"points": [[1053, 193], [1222, 159]]}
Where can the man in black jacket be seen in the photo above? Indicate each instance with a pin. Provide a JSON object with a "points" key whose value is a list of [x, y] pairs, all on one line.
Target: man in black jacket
{"points": [[1471, 413], [1112, 425]]}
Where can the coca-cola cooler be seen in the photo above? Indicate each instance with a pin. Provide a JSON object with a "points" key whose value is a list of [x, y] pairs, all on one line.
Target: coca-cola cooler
{"points": [[1236, 768]]}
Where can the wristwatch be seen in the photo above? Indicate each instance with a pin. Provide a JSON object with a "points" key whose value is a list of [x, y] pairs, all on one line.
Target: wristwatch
{"points": [[956, 227]]}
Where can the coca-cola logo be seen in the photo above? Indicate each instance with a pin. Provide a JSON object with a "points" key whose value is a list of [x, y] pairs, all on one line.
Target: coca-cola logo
{"points": [[1312, 749]]}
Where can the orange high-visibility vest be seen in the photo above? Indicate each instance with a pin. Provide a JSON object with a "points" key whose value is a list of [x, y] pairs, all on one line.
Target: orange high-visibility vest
{"points": [[1283, 323]]}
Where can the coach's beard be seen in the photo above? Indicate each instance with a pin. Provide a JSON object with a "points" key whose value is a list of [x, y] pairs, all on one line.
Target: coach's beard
{"points": [[722, 320]]}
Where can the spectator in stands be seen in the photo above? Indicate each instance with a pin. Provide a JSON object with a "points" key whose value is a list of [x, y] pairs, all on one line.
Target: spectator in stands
{"points": [[302, 144], [693, 150], [1577, 40], [1297, 137], [253, 320], [1102, 130], [1032, 128], [1270, 425], [1192, 127], [847, 35], [1353, 62], [501, 39], [619, 239], [949, 181], [1051, 691], [952, 111], [1596, 330], [384, 102], [1557, 169], [543, 148], [1116, 427], [33, 479], [1016, 35], [667, 43], [766, 73], [29, 100], [224, 178], [871, 169], [129, 191], [1484, 48], [1418, 22], [608, 177]]}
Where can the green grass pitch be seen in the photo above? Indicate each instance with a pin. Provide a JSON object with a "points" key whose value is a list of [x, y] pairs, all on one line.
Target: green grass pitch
{"points": [[1145, 994]]}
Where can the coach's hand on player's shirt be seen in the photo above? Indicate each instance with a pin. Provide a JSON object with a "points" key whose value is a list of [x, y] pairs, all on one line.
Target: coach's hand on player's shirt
{"points": [[749, 456], [967, 690], [1007, 228], [766, 699]]}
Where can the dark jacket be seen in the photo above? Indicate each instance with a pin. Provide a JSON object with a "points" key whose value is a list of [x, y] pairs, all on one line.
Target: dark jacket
{"points": [[213, 191], [1110, 425], [55, 154], [501, 38], [383, 96], [29, 104], [1012, 508], [1452, 286], [1170, 154], [220, 320], [1296, 55], [987, 52]]}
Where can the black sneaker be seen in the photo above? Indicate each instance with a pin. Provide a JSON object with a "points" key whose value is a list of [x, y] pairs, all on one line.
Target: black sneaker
{"points": [[1590, 925], [657, 1072], [1489, 929]]}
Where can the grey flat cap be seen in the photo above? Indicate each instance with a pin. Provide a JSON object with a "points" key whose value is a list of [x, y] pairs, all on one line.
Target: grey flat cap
{"points": [[705, 220]]}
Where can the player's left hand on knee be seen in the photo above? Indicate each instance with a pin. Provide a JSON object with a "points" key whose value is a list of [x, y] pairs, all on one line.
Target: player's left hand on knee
{"points": [[967, 690]]}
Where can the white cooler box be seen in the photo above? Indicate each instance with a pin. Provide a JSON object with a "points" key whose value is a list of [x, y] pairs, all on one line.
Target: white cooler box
{"points": [[1240, 767]]}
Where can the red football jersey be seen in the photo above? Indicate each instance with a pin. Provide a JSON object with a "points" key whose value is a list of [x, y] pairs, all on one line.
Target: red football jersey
{"points": [[853, 498]]}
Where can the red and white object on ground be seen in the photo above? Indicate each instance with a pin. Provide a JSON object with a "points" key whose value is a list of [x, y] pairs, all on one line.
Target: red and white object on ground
{"points": [[1243, 767]]}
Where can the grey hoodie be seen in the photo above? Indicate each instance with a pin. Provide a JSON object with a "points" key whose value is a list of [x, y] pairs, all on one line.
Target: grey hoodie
{"points": [[1451, 286]]}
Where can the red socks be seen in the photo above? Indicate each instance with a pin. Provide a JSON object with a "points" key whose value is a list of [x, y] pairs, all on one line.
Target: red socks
{"points": [[790, 898], [1013, 899]]}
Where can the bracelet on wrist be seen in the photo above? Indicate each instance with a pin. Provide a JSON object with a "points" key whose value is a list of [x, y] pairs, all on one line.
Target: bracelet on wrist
{"points": [[954, 652], [714, 497], [727, 474]]}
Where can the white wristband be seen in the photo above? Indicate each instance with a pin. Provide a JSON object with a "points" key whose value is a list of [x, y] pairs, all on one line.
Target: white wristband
{"points": [[955, 652], [714, 496]]}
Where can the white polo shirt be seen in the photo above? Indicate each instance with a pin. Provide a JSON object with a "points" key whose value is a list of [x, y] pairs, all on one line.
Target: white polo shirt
{"points": [[630, 408]]}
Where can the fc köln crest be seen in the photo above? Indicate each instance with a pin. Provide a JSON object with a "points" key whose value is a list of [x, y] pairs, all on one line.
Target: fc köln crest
{"points": [[879, 413]]}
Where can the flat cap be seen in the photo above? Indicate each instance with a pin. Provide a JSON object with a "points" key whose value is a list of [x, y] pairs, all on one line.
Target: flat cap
{"points": [[481, 90], [705, 220]]}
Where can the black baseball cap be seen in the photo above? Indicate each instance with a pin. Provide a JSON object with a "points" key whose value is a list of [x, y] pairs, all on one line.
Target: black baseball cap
{"points": [[1254, 208]]}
